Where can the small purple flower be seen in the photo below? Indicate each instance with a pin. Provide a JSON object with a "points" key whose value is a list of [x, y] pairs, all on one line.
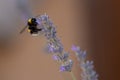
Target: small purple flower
{"points": [[75, 48], [50, 49], [62, 68], [54, 48], [67, 67], [55, 57]]}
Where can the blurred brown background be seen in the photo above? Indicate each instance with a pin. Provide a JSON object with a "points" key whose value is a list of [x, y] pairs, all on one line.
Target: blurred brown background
{"points": [[93, 25]]}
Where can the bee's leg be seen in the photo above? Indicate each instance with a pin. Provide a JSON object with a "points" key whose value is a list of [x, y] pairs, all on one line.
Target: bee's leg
{"points": [[31, 32], [39, 29], [40, 32], [34, 33]]}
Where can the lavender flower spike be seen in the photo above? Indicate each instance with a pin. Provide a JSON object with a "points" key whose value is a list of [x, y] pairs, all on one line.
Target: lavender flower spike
{"points": [[87, 67]]}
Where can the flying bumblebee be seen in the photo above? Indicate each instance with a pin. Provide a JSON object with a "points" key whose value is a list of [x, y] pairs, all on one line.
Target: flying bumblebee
{"points": [[32, 26]]}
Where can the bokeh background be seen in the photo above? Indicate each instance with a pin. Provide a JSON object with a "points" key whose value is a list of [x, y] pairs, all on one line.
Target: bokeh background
{"points": [[91, 24]]}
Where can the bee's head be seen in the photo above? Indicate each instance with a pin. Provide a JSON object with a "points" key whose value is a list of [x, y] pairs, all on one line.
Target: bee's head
{"points": [[32, 20]]}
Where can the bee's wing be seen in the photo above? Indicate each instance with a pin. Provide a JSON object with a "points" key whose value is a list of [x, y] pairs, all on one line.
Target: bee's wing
{"points": [[25, 12], [24, 9]]}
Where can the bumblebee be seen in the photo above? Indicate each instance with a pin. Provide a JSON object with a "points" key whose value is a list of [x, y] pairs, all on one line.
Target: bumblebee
{"points": [[32, 26]]}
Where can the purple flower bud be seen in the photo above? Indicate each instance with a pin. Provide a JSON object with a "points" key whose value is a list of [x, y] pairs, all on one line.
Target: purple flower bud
{"points": [[73, 48]]}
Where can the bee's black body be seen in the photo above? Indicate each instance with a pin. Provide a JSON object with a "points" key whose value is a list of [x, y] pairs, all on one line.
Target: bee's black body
{"points": [[32, 26]]}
